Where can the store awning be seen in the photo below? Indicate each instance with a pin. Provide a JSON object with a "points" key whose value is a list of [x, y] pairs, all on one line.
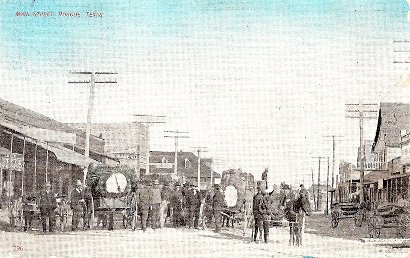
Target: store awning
{"points": [[69, 156], [41, 134]]}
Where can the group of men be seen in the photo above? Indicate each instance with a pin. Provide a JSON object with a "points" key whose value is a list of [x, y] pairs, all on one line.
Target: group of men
{"points": [[181, 204], [80, 201]]}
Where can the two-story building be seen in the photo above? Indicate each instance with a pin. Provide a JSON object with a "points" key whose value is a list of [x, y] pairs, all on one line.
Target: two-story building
{"points": [[163, 163]]}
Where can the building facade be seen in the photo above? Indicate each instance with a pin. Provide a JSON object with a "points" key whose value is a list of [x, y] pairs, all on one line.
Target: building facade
{"points": [[163, 163], [128, 142], [35, 149]]}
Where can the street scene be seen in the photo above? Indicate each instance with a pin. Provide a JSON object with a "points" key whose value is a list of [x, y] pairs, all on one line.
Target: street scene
{"points": [[204, 129]]}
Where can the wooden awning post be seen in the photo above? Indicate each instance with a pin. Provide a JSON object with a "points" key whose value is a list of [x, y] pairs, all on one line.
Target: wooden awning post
{"points": [[46, 162], [11, 154], [35, 170], [23, 170]]}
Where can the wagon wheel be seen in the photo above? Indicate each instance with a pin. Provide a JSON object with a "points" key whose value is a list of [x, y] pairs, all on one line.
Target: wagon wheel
{"points": [[373, 227], [335, 219], [403, 222]]}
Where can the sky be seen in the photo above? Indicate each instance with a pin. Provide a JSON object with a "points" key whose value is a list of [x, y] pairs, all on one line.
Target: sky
{"points": [[257, 82]]}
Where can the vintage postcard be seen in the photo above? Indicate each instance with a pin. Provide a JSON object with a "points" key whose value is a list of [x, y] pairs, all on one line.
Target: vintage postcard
{"points": [[213, 128]]}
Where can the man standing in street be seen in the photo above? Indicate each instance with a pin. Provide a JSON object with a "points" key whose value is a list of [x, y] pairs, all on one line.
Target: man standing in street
{"points": [[264, 209], [196, 207], [218, 205], [144, 199], [47, 203], [77, 205], [155, 204], [165, 199], [88, 206], [189, 199], [176, 205], [257, 199]]}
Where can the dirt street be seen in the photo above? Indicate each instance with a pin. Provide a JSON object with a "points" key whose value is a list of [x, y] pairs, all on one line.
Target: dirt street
{"points": [[182, 243]]}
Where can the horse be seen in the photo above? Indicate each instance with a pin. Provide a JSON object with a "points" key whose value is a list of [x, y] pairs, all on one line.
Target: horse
{"points": [[295, 210]]}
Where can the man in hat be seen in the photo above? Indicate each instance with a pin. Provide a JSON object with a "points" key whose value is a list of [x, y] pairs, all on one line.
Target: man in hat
{"points": [[176, 205], [218, 205], [257, 214], [155, 204], [88, 203], [190, 205], [265, 177], [77, 204], [47, 203], [144, 199], [196, 206], [165, 199]]}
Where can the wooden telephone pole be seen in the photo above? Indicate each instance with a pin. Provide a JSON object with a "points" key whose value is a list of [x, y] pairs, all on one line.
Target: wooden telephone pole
{"points": [[361, 112], [91, 82], [318, 181], [199, 150], [176, 135], [148, 120]]}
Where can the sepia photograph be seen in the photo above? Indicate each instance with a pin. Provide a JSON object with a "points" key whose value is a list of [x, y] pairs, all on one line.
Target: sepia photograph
{"points": [[213, 128]]}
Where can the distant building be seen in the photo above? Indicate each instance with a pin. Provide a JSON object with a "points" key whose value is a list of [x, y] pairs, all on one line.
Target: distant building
{"points": [[162, 162], [370, 161], [128, 142], [394, 118]]}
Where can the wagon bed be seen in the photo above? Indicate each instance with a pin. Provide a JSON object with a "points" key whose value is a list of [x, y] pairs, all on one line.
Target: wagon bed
{"points": [[389, 216], [346, 210]]}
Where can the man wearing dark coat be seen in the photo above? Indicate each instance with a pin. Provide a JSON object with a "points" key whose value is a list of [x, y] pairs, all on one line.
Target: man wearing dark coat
{"points": [[47, 203], [176, 204], [261, 212], [77, 205], [196, 207], [144, 200], [218, 204]]}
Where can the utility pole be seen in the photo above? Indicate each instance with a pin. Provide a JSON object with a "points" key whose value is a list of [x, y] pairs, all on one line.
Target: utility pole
{"points": [[92, 83], [318, 181], [199, 150], [313, 190], [176, 135], [361, 111], [334, 155], [327, 188], [148, 120]]}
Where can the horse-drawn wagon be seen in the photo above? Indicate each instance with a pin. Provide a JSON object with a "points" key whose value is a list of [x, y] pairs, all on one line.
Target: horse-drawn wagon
{"points": [[238, 188], [347, 210], [112, 195], [389, 216]]}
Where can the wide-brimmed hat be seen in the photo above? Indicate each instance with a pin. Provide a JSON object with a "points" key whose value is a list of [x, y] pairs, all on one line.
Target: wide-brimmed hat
{"points": [[78, 183]]}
